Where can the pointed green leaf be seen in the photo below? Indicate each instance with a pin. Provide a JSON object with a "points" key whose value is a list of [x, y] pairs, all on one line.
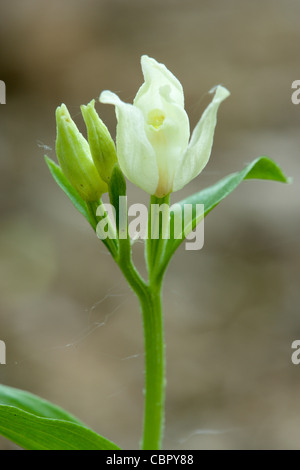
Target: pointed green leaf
{"points": [[33, 432], [31, 403], [261, 168], [68, 189]]}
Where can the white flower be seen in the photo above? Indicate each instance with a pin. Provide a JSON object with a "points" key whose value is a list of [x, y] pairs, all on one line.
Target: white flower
{"points": [[153, 147]]}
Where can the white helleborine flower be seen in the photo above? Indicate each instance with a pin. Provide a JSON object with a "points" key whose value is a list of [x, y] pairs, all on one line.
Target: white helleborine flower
{"points": [[154, 148]]}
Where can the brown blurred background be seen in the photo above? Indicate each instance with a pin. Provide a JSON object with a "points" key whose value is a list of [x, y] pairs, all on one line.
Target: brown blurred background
{"points": [[70, 323]]}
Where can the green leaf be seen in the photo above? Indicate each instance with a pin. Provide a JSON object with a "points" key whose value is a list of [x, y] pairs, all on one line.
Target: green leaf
{"points": [[117, 188], [261, 168], [68, 189], [33, 432], [31, 403]]}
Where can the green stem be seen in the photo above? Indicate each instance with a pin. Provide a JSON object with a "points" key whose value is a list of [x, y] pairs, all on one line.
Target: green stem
{"points": [[149, 295], [110, 241], [158, 225], [154, 408], [151, 305]]}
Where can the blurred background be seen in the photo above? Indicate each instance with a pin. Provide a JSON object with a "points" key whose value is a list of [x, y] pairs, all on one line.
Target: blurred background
{"points": [[71, 325]]}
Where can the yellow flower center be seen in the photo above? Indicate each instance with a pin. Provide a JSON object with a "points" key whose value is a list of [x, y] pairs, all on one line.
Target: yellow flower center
{"points": [[156, 118]]}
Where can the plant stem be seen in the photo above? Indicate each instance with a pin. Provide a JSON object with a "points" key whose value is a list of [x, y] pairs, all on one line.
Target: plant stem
{"points": [[158, 226], [149, 295], [151, 306], [110, 241]]}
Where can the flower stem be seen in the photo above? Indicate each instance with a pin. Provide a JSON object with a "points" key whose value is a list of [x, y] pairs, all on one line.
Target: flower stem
{"points": [[149, 295], [110, 241], [151, 305], [158, 231]]}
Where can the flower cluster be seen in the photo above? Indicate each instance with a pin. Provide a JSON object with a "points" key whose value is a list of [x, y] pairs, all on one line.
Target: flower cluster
{"points": [[153, 145]]}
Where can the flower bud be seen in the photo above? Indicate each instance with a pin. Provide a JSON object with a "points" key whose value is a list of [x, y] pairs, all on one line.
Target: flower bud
{"points": [[101, 144], [74, 156]]}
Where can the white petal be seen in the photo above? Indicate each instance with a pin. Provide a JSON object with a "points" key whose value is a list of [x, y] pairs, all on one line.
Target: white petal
{"points": [[135, 154], [157, 75], [169, 141], [198, 152]]}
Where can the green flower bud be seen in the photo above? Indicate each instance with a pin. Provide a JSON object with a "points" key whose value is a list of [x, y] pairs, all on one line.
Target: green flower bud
{"points": [[102, 146], [74, 156]]}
